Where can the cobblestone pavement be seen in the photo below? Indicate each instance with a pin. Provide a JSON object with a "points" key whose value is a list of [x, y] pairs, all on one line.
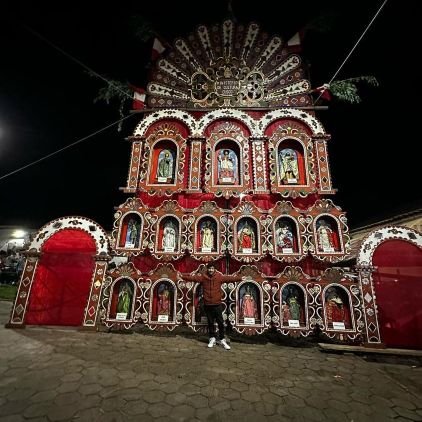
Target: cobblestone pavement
{"points": [[62, 375]]}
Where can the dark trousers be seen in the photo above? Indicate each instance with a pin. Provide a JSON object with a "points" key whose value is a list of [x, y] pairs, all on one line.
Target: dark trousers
{"points": [[215, 313]]}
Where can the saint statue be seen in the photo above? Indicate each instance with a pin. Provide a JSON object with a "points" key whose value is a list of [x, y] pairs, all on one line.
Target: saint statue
{"points": [[284, 237], [246, 238], [169, 236], [289, 170], [335, 309], [227, 166], [164, 301], [207, 236], [248, 306], [132, 234], [294, 307], [165, 165], [285, 310], [124, 299], [325, 237]]}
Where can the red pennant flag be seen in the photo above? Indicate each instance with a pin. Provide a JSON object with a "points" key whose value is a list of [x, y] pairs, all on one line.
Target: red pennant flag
{"points": [[139, 98], [158, 48], [323, 91]]}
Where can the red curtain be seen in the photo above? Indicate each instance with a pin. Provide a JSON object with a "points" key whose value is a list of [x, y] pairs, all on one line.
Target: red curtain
{"points": [[62, 281], [398, 286]]}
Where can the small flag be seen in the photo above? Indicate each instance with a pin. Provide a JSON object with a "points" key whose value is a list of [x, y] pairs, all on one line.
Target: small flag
{"points": [[139, 98], [295, 43], [158, 48], [323, 91]]}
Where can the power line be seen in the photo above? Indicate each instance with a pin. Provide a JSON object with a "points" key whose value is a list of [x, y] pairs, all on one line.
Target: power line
{"points": [[66, 147], [74, 59], [354, 47]]}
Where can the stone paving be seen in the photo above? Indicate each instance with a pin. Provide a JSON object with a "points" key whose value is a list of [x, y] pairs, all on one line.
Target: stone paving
{"points": [[68, 375]]}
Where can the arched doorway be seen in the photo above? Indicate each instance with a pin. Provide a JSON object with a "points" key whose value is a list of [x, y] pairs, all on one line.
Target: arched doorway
{"points": [[62, 281], [398, 288]]}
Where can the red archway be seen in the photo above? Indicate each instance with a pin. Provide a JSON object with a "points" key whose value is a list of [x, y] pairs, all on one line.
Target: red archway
{"points": [[62, 281], [398, 286]]}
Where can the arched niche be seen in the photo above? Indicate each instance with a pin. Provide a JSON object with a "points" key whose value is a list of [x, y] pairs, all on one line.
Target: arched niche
{"points": [[168, 236], [227, 163], [163, 302], [327, 236], [293, 306], [121, 302], [286, 236], [130, 231], [163, 165], [247, 239], [249, 304], [207, 235], [291, 163], [337, 308]]}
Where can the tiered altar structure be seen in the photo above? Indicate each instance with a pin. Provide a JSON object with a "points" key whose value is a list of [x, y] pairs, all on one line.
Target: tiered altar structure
{"points": [[229, 164]]}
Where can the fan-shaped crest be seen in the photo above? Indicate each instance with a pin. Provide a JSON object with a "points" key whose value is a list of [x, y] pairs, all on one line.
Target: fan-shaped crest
{"points": [[229, 65]]}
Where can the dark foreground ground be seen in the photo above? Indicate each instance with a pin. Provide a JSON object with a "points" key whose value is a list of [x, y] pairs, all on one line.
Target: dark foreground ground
{"points": [[66, 375]]}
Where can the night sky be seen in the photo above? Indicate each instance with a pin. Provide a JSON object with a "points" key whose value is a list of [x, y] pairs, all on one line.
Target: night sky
{"points": [[46, 101]]}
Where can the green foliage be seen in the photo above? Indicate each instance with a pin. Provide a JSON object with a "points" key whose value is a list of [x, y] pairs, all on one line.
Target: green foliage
{"points": [[115, 90], [347, 90]]}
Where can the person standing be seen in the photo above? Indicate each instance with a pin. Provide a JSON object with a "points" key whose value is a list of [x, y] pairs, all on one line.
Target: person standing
{"points": [[211, 282]]}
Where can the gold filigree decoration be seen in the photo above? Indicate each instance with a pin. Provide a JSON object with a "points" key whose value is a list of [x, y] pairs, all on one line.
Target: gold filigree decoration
{"points": [[284, 207], [166, 129], [208, 207], [228, 128], [293, 273], [163, 270], [333, 275]]}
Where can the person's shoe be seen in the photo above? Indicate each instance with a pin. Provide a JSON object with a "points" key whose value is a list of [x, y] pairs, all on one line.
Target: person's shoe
{"points": [[211, 342], [224, 344]]}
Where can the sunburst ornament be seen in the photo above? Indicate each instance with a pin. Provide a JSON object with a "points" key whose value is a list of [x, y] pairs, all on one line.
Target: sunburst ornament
{"points": [[229, 65]]}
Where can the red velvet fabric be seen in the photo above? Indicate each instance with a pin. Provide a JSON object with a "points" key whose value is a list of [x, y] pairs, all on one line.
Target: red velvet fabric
{"points": [[398, 286], [62, 282]]}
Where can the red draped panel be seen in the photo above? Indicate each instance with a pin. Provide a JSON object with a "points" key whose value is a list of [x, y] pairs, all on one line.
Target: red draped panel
{"points": [[62, 281], [398, 286]]}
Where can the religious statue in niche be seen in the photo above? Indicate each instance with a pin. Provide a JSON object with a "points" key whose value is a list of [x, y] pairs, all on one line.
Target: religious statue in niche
{"points": [[246, 238], [284, 237], [248, 303], [169, 240], [292, 306], [132, 234], [336, 310], [165, 167], [207, 235], [124, 301], [288, 166], [325, 236], [164, 300], [227, 167]]}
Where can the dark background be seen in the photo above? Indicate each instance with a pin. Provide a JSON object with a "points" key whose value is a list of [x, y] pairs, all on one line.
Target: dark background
{"points": [[46, 100]]}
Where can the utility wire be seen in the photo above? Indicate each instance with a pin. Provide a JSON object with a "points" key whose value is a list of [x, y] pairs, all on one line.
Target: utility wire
{"points": [[354, 47], [66, 147], [74, 59]]}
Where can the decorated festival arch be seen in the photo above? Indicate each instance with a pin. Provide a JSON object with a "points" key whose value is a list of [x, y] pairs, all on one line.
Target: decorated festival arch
{"points": [[63, 275], [390, 269]]}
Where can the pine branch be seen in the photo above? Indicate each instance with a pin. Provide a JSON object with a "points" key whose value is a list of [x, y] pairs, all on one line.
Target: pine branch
{"points": [[347, 90]]}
